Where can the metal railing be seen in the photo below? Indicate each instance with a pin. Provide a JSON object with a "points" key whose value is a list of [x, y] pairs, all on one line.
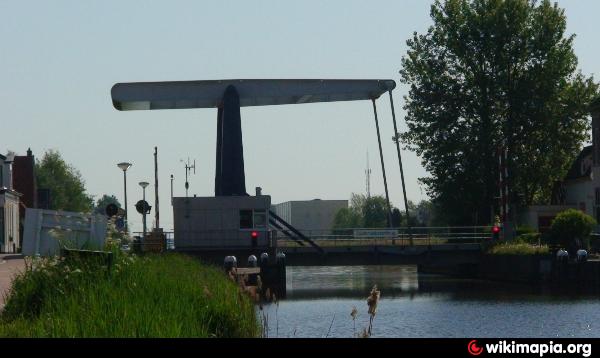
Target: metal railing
{"points": [[169, 237], [394, 237], [351, 237]]}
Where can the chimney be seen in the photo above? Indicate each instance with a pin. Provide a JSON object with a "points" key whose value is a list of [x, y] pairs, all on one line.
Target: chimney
{"points": [[258, 191], [595, 111]]}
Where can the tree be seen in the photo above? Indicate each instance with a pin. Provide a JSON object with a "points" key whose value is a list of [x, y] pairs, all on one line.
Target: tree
{"points": [[491, 74], [367, 212], [375, 212], [67, 188], [347, 218], [103, 202]]}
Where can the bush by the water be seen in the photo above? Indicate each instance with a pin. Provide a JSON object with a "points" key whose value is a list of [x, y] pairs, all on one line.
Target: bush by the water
{"points": [[150, 296], [518, 249], [532, 238], [571, 229]]}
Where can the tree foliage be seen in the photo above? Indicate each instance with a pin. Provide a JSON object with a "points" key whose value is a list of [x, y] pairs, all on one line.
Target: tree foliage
{"points": [[104, 201], [363, 211], [67, 188], [492, 73], [572, 228]]}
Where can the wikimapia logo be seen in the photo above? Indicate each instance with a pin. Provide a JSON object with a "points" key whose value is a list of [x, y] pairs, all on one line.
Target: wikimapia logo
{"points": [[503, 347]]}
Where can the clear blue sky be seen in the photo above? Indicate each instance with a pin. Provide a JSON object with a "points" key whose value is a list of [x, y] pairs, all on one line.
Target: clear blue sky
{"points": [[59, 59]]}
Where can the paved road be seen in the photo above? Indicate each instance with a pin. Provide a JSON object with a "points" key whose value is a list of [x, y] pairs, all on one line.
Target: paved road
{"points": [[10, 264]]}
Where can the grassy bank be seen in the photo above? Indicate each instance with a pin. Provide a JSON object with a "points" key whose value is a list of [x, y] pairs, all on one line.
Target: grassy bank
{"points": [[152, 296]]}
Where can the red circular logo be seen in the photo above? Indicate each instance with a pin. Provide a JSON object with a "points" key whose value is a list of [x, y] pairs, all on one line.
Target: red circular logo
{"points": [[473, 349]]}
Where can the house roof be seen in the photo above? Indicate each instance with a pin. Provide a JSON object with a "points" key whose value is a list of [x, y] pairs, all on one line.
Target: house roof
{"points": [[577, 169]]}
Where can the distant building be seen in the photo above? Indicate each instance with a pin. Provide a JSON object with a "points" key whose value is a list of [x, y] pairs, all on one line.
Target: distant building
{"points": [[9, 207], [580, 189], [307, 215]]}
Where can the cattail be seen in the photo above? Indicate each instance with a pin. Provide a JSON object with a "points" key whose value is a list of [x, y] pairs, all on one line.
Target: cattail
{"points": [[353, 314], [373, 300]]}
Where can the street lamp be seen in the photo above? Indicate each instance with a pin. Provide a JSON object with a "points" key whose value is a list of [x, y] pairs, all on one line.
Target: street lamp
{"points": [[124, 166], [144, 184]]}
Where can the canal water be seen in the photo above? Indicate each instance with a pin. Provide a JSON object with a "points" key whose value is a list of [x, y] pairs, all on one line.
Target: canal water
{"points": [[320, 299]]}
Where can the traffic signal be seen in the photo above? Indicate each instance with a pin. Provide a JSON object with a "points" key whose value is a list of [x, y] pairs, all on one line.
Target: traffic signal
{"points": [[142, 207], [111, 210], [254, 236], [496, 232]]}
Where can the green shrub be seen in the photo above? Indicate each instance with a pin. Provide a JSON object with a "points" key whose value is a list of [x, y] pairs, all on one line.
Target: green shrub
{"points": [[518, 249], [167, 295], [571, 229], [532, 238], [525, 229]]}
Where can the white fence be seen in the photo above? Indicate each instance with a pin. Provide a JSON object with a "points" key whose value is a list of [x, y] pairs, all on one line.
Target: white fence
{"points": [[46, 230]]}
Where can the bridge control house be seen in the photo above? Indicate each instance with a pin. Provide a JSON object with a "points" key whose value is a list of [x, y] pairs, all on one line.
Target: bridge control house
{"points": [[236, 222]]}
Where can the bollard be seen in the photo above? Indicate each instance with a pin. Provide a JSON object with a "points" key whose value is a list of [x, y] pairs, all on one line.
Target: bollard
{"points": [[281, 270], [230, 263], [582, 255], [252, 261], [280, 258], [562, 256], [264, 259]]}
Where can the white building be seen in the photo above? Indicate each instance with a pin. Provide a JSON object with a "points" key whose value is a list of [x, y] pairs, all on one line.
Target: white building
{"points": [[310, 215], [580, 188], [9, 208]]}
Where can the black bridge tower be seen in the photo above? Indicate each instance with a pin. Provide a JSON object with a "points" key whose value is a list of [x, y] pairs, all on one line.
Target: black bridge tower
{"points": [[230, 179]]}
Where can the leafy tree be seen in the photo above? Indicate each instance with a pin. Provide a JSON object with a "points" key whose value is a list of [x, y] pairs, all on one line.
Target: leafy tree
{"points": [[367, 212], [104, 201], [375, 212], [347, 218], [67, 188], [487, 74]]}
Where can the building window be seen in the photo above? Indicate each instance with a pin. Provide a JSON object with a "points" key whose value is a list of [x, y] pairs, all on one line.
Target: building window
{"points": [[250, 219], [260, 218], [246, 219]]}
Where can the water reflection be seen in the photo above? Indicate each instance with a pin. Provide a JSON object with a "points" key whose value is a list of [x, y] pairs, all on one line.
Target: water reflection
{"points": [[417, 305]]}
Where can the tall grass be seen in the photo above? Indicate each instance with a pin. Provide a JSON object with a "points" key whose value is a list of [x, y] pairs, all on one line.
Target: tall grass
{"points": [[151, 296]]}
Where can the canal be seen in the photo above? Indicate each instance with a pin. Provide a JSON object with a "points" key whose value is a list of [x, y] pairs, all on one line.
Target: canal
{"points": [[320, 299]]}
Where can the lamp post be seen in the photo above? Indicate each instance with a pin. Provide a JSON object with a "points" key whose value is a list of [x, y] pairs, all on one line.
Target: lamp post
{"points": [[144, 184], [124, 166]]}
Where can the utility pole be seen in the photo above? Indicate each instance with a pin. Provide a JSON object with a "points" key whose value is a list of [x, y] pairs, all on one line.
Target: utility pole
{"points": [[368, 177], [156, 186]]}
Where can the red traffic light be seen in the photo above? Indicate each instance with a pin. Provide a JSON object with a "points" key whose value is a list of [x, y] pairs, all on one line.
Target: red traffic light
{"points": [[254, 234], [496, 229]]}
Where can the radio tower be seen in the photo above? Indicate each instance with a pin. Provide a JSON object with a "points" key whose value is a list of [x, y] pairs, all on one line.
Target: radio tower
{"points": [[368, 177]]}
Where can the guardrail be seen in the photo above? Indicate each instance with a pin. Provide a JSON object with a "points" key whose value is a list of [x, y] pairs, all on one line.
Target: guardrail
{"points": [[393, 237], [366, 236]]}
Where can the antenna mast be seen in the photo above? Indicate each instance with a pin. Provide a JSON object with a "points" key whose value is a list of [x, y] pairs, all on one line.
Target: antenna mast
{"points": [[188, 168]]}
